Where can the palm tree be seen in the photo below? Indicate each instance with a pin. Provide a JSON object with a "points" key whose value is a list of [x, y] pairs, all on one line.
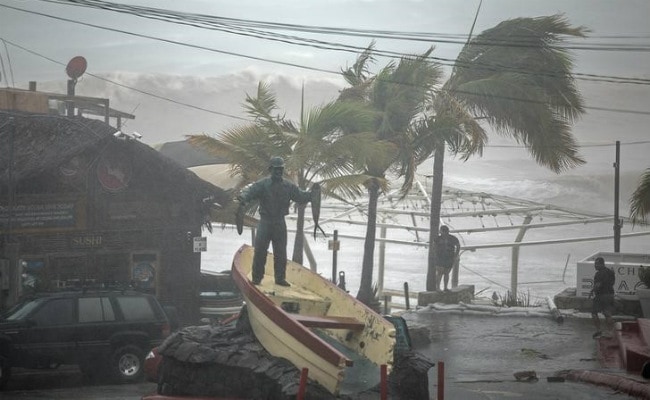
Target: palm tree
{"points": [[326, 145], [518, 81], [640, 200], [398, 93]]}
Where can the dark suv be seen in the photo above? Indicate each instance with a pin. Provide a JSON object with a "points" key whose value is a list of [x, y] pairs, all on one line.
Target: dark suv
{"points": [[106, 333]]}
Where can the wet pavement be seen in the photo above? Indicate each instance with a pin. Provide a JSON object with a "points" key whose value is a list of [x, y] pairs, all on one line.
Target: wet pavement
{"points": [[66, 382], [481, 354]]}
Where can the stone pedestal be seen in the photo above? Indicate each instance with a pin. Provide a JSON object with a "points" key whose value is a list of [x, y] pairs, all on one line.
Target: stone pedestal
{"points": [[461, 293]]}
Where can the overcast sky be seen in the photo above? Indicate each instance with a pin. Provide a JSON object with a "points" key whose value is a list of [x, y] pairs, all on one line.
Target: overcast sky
{"points": [[37, 47]]}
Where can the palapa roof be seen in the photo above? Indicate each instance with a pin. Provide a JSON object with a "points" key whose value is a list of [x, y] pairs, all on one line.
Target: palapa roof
{"points": [[38, 143]]}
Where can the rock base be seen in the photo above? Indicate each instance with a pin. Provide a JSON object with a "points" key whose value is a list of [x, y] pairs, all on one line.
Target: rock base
{"points": [[228, 361]]}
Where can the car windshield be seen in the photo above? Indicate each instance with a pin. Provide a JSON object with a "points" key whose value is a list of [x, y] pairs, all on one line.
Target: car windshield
{"points": [[21, 311]]}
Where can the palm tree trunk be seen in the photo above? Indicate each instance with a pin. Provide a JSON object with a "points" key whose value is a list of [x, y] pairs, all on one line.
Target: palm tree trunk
{"points": [[434, 217], [298, 242], [365, 294]]}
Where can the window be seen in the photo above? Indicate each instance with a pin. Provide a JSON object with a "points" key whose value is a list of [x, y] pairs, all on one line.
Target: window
{"points": [[135, 308], [109, 315], [55, 312], [95, 309], [21, 311]]}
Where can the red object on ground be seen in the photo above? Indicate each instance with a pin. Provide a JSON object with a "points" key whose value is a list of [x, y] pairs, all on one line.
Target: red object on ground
{"points": [[163, 397], [616, 382], [303, 383], [152, 365], [383, 370], [629, 348], [441, 380]]}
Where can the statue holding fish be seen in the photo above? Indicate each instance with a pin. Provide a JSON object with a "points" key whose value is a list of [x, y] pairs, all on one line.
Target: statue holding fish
{"points": [[275, 194]]}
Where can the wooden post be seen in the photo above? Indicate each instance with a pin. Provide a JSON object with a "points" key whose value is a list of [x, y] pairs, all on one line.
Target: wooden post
{"points": [[335, 247], [384, 381], [303, 383], [406, 295], [441, 381], [382, 260], [514, 272], [617, 222], [71, 104]]}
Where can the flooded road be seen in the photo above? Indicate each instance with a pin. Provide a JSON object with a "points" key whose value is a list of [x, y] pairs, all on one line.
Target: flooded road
{"points": [[66, 382]]}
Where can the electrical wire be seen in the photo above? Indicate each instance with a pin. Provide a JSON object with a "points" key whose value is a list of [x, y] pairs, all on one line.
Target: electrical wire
{"points": [[213, 21], [622, 111], [241, 55], [326, 46]]}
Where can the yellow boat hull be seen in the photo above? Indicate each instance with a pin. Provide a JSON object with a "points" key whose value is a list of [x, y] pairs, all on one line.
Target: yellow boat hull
{"points": [[313, 324]]}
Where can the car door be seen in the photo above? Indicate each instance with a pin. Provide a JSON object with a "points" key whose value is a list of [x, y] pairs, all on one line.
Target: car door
{"points": [[95, 325], [49, 335]]}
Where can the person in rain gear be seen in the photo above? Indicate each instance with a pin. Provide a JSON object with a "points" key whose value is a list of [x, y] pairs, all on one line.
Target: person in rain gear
{"points": [[274, 194], [447, 250], [603, 292]]}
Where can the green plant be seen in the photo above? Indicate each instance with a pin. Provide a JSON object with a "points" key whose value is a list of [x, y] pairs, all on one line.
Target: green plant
{"points": [[520, 300], [644, 275]]}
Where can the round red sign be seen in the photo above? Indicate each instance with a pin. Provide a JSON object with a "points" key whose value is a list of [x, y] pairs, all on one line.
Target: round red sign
{"points": [[76, 67]]}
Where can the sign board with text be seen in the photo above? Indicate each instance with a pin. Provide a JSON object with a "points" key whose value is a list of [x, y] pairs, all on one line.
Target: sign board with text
{"points": [[200, 244], [43, 215]]}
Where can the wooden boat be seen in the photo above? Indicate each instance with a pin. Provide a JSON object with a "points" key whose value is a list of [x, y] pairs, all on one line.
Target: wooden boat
{"points": [[316, 325]]}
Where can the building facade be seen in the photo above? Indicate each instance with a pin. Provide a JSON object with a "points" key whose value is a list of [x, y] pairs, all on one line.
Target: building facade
{"points": [[83, 205]]}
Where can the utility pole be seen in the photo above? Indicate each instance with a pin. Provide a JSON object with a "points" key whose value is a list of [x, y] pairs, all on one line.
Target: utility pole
{"points": [[617, 221]]}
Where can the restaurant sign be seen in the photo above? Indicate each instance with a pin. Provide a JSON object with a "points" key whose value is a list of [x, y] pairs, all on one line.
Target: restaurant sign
{"points": [[55, 214], [85, 241]]}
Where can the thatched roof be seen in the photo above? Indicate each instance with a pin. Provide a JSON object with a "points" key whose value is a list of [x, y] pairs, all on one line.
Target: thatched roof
{"points": [[187, 155], [41, 143]]}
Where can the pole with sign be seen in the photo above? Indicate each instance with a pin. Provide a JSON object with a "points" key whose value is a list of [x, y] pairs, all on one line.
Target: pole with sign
{"points": [[200, 244], [334, 246]]}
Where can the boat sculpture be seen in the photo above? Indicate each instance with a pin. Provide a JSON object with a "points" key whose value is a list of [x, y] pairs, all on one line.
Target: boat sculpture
{"points": [[316, 325]]}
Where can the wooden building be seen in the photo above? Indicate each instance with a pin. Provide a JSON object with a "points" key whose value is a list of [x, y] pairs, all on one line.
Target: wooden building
{"points": [[82, 204]]}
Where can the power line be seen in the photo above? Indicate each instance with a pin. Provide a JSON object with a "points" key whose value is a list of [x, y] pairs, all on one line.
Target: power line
{"points": [[622, 111], [593, 145], [211, 20], [130, 87], [346, 48], [256, 58], [203, 21]]}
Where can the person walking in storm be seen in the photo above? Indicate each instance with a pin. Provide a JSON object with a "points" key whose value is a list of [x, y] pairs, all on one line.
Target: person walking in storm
{"points": [[447, 248], [274, 194], [603, 292]]}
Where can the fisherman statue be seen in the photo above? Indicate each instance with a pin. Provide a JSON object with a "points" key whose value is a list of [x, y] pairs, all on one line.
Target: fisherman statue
{"points": [[274, 194]]}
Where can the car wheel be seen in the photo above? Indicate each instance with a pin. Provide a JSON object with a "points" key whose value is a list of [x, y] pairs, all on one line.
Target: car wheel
{"points": [[5, 373], [127, 364]]}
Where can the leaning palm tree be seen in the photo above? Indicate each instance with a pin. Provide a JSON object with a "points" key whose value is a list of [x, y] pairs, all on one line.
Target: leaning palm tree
{"points": [[516, 79], [398, 93], [640, 200], [326, 145]]}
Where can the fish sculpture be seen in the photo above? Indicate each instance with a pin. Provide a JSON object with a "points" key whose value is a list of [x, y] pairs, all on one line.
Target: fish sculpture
{"points": [[315, 207], [239, 218]]}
